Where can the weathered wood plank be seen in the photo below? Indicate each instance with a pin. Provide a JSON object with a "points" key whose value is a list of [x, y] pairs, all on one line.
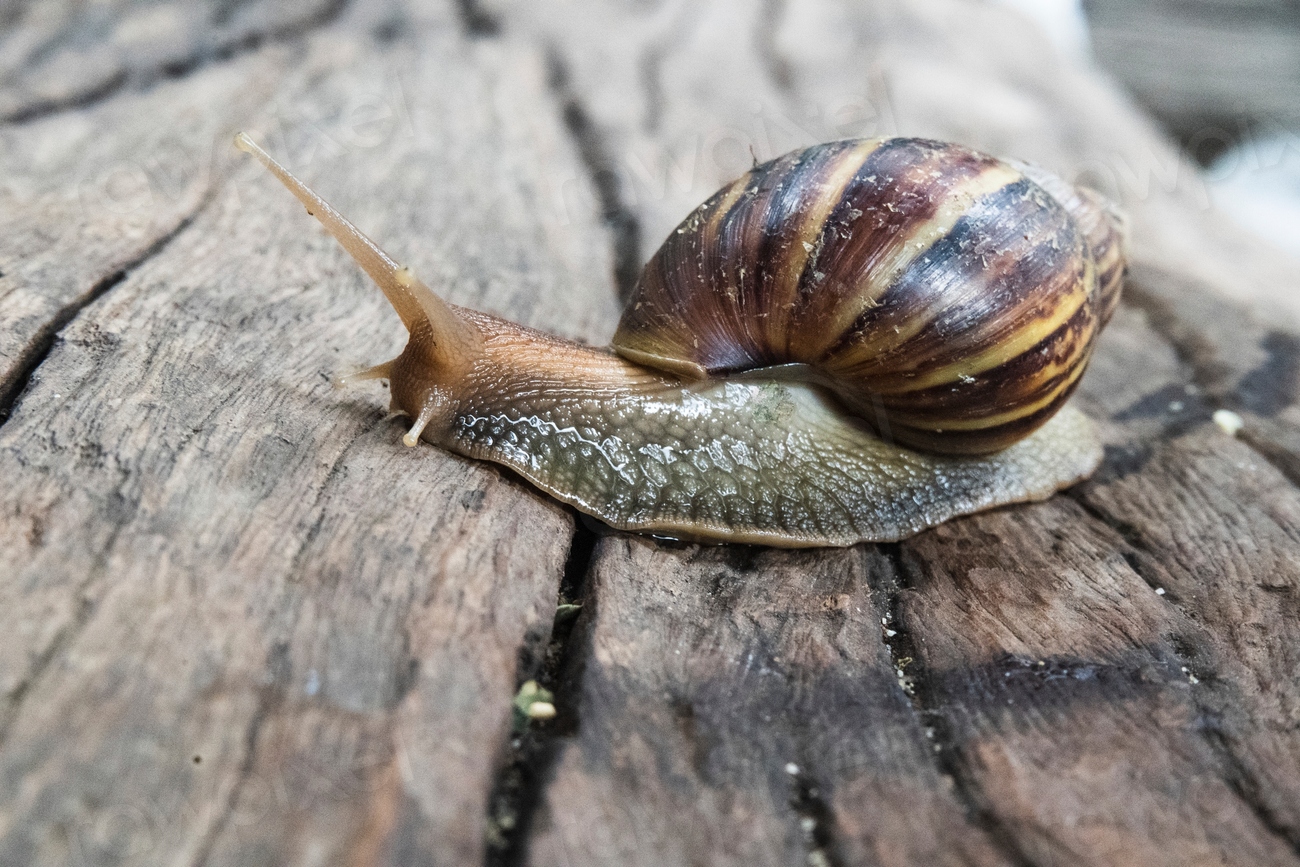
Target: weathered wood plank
{"points": [[1215, 525], [63, 55], [78, 208], [277, 637], [217, 557], [739, 707], [1213, 522], [1063, 695]]}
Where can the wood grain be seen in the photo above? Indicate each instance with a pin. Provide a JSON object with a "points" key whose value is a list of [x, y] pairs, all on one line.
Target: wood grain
{"points": [[239, 624], [304, 653], [62, 55], [1065, 698], [741, 708], [81, 208]]}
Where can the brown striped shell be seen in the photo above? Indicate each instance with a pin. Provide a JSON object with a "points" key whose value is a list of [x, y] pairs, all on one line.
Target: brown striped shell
{"points": [[948, 298]]}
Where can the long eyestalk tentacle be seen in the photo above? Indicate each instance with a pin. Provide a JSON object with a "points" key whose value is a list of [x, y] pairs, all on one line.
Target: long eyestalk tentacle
{"points": [[449, 338]]}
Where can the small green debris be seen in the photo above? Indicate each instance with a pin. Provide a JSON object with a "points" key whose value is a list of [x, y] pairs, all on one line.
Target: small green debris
{"points": [[566, 611], [532, 702], [497, 830]]}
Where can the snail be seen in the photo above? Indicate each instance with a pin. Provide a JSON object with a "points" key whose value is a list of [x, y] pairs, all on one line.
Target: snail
{"points": [[852, 342]]}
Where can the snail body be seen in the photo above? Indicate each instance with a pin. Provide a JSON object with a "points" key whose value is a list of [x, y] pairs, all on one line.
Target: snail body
{"points": [[850, 343]]}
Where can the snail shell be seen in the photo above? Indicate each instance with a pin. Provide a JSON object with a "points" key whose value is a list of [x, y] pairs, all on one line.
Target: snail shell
{"points": [[953, 294], [947, 299]]}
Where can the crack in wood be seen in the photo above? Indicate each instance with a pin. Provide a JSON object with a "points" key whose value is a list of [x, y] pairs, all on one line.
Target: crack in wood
{"points": [[530, 754], [176, 69], [622, 221], [816, 822], [650, 66], [650, 74], [47, 107], [478, 21], [35, 354], [42, 342], [1245, 785], [927, 704], [1132, 537], [62, 639], [325, 16], [12, 13]]}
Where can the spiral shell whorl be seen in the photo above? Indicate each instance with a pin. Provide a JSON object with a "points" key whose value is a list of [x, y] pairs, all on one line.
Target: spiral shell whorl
{"points": [[1103, 225], [949, 298]]}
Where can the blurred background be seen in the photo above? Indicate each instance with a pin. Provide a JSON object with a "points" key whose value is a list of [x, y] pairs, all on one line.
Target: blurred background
{"points": [[1222, 77]]}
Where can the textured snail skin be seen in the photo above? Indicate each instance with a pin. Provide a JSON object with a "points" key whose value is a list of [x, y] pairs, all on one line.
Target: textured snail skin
{"points": [[684, 434], [739, 459]]}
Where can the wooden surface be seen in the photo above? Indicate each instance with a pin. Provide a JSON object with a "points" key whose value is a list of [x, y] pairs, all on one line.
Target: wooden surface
{"points": [[240, 624]]}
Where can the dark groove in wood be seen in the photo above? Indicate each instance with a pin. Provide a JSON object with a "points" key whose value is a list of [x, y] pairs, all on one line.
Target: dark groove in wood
{"points": [[253, 41], [62, 639], [11, 14], [478, 21], [47, 107], [144, 79], [650, 73], [1233, 771], [658, 53], [928, 705], [529, 756], [1208, 374], [623, 223], [42, 342], [1131, 536], [816, 823]]}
